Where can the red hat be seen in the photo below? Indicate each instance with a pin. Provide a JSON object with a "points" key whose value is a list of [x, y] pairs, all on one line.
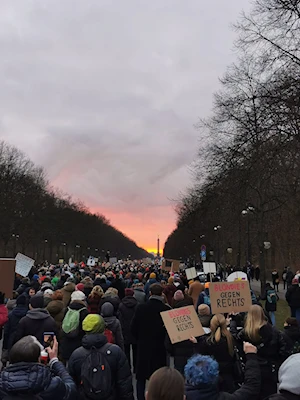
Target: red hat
{"points": [[129, 292], [80, 287]]}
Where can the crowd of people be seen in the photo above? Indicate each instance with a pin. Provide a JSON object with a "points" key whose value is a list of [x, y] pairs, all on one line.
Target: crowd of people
{"points": [[85, 332]]}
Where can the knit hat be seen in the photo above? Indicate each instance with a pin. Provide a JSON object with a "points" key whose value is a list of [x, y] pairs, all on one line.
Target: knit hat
{"points": [[80, 286], [178, 295], [201, 370], [129, 292], [153, 275], [48, 292], [77, 296], [288, 375], [203, 309], [21, 301], [291, 321], [37, 301], [93, 323], [170, 280]]}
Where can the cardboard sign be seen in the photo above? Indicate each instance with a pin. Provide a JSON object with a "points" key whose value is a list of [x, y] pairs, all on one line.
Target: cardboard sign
{"points": [[191, 273], [170, 265], [182, 323], [7, 273], [209, 268], [23, 264], [226, 297]]}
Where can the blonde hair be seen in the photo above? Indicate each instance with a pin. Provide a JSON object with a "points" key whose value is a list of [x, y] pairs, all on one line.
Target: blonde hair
{"points": [[219, 329], [112, 290], [97, 290], [254, 321]]}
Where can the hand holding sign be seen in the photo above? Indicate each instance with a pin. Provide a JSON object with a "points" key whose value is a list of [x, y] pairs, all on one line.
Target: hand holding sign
{"points": [[23, 264]]}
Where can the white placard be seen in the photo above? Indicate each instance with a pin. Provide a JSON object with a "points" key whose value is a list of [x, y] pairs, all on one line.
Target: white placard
{"points": [[209, 268], [237, 276], [91, 262], [23, 264], [113, 260], [191, 273]]}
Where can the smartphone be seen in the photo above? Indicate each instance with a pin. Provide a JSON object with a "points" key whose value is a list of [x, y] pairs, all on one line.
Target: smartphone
{"points": [[49, 339]]}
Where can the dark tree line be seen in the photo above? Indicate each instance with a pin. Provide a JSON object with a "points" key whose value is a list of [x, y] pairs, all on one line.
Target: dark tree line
{"points": [[47, 225], [246, 191]]}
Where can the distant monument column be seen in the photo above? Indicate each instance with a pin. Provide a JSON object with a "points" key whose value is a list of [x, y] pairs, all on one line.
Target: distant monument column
{"points": [[158, 248]]}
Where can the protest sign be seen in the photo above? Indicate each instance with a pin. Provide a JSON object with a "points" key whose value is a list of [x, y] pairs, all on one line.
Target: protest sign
{"points": [[209, 268], [23, 264], [61, 261], [7, 273], [228, 297], [170, 265], [113, 260], [182, 323], [191, 273], [91, 261], [237, 276]]}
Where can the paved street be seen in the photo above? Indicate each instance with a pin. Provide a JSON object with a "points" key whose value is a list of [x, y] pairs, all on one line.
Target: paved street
{"points": [[255, 285]]}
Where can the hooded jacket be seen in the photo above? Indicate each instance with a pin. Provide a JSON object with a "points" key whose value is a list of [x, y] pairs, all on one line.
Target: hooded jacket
{"points": [[120, 371], [140, 295], [125, 314], [56, 309], [293, 296], [112, 299], [37, 379], [35, 323], [291, 335], [67, 292], [112, 323], [10, 327]]}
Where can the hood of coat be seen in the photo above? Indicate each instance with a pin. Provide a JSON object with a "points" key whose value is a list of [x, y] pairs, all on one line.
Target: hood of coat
{"points": [[25, 377], [38, 313], [107, 310], [203, 392], [19, 311], [293, 332], [94, 340], [70, 287], [55, 307], [288, 375], [129, 301]]}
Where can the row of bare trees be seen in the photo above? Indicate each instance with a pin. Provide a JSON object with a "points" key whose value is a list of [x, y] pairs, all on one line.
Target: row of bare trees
{"points": [[48, 225], [246, 189]]}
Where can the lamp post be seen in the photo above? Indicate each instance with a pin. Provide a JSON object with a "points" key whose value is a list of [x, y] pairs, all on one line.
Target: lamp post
{"points": [[247, 213], [217, 229]]}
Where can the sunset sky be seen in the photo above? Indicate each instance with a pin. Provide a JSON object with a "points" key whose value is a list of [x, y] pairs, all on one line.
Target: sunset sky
{"points": [[105, 95]]}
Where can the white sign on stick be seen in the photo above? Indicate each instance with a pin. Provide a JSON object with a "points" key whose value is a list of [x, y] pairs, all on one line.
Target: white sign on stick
{"points": [[91, 262], [209, 268], [191, 273], [23, 264]]}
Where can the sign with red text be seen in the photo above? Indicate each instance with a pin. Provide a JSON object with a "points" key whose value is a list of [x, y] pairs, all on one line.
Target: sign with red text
{"points": [[182, 323], [226, 297]]}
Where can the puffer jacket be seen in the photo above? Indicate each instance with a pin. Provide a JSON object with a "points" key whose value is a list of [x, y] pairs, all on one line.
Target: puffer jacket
{"points": [[35, 323], [36, 379], [10, 328], [67, 293], [112, 299], [113, 324], [120, 371], [56, 309], [125, 314]]}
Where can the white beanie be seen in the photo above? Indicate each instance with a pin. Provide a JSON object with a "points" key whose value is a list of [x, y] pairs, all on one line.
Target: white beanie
{"points": [[48, 292], [288, 375], [77, 295]]}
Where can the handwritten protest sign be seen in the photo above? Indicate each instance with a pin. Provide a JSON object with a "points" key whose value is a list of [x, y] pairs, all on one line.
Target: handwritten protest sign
{"points": [[226, 297], [209, 267], [23, 264], [182, 323], [191, 273], [7, 272]]}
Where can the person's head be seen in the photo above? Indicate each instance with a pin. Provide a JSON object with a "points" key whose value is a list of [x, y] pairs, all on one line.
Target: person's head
{"points": [[166, 384], [36, 301], [201, 370], [27, 349], [291, 322], [57, 295], [129, 292], [77, 296], [107, 310], [156, 289], [97, 291], [254, 321], [178, 295], [21, 301], [203, 309], [48, 293], [112, 291], [288, 375], [219, 329], [93, 323], [31, 292]]}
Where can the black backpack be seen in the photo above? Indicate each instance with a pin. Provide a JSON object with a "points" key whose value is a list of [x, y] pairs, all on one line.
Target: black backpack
{"points": [[96, 380]]}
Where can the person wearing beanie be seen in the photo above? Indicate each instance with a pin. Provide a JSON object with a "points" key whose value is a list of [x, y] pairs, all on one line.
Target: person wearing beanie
{"points": [[204, 315], [139, 293], [69, 343], [202, 378], [126, 313], [151, 281], [170, 290], [48, 293], [94, 299], [95, 340], [181, 300], [110, 296], [36, 322], [80, 286], [288, 377], [10, 327]]}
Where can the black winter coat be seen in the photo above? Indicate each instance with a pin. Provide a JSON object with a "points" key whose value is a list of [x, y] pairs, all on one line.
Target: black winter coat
{"points": [[125, 314], [35, 323], [181, 352], [250, 389], [112, 299], [68, 345], [293, 296], [291, 335], [37, 379], [283, 395], [187, 301], [120, 371], [10, 327], [120, 285], [148, 329]]}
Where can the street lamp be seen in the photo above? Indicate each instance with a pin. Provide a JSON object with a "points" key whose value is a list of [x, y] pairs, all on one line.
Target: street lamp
{"points": [[246, 213], [217, 229]]}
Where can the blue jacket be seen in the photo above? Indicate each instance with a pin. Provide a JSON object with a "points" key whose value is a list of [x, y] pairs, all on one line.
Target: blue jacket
{"points": [[202, 297], [147, 286], [37, 379]]}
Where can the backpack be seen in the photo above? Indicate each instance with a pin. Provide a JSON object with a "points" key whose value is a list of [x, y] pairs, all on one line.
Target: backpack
{"points": [[109, 336], [271, 296], [96, 379], [71, 322], [206, 299]]}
